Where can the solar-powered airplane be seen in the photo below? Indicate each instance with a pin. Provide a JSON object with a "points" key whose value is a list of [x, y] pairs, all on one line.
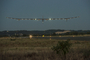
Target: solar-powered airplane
{"points": [[43, 18]]}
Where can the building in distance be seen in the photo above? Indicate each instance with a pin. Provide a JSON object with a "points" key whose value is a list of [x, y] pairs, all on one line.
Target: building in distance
{"points": [[63, 32]]}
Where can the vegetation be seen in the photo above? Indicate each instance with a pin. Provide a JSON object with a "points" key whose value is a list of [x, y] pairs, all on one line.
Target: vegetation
{"points": [[51, 32], [40, 49], [75, 33], [62, 48]]}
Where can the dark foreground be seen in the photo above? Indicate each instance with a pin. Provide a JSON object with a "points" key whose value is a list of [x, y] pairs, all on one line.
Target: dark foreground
{"points": [[40, 49], [72, 55]]}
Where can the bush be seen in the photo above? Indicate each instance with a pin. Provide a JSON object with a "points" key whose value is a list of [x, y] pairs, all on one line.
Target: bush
{"points": [[86, 54], [62, 47]]}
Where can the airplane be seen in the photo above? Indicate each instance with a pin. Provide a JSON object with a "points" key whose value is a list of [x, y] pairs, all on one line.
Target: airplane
{"points": [[42, 18]]}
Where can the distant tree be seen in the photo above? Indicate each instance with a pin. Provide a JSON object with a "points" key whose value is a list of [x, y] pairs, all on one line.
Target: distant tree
{"points": [[25, 35], [81, 33], [68, 33], [53, 34], [88, 32], [74, 33]]}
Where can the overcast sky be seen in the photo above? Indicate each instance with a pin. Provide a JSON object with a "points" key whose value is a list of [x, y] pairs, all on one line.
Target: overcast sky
{"points": [[47, 9]]}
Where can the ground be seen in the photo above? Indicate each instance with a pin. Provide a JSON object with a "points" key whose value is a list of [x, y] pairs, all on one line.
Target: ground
{"points": [[40, 49]]}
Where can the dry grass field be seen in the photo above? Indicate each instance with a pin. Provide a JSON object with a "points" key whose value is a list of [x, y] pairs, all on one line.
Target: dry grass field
{"points": [[40, 49]]}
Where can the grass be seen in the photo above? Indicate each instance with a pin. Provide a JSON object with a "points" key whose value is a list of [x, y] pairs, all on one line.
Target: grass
{"points": [[40, 49]]}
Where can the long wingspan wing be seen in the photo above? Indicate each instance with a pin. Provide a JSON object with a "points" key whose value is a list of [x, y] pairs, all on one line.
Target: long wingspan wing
{"points": [[63, 18], [23, 18], [42, 18]]}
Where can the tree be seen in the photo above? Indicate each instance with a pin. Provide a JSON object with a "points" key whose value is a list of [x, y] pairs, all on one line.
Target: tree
{"points": [[62, 47]]}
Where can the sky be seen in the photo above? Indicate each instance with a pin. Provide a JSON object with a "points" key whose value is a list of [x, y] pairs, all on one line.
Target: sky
{"points": [[47, 9]]}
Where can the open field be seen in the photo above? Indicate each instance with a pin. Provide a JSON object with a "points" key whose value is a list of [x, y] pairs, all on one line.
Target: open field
{"points": [[40, 49]]}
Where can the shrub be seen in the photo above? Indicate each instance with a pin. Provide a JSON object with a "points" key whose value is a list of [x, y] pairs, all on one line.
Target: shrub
{"points": [[62, 47], [86, 54]]}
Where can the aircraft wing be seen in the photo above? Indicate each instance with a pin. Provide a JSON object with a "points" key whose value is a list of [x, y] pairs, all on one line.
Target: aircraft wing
{"points": [[64, 18], [23, 18], [42, 18]]}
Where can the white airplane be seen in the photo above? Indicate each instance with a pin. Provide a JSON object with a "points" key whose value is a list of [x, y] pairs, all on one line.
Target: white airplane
{"points": [[43, 18]]}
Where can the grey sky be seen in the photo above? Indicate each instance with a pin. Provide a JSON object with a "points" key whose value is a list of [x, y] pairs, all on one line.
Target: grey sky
{"points": [[47, 9]]}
